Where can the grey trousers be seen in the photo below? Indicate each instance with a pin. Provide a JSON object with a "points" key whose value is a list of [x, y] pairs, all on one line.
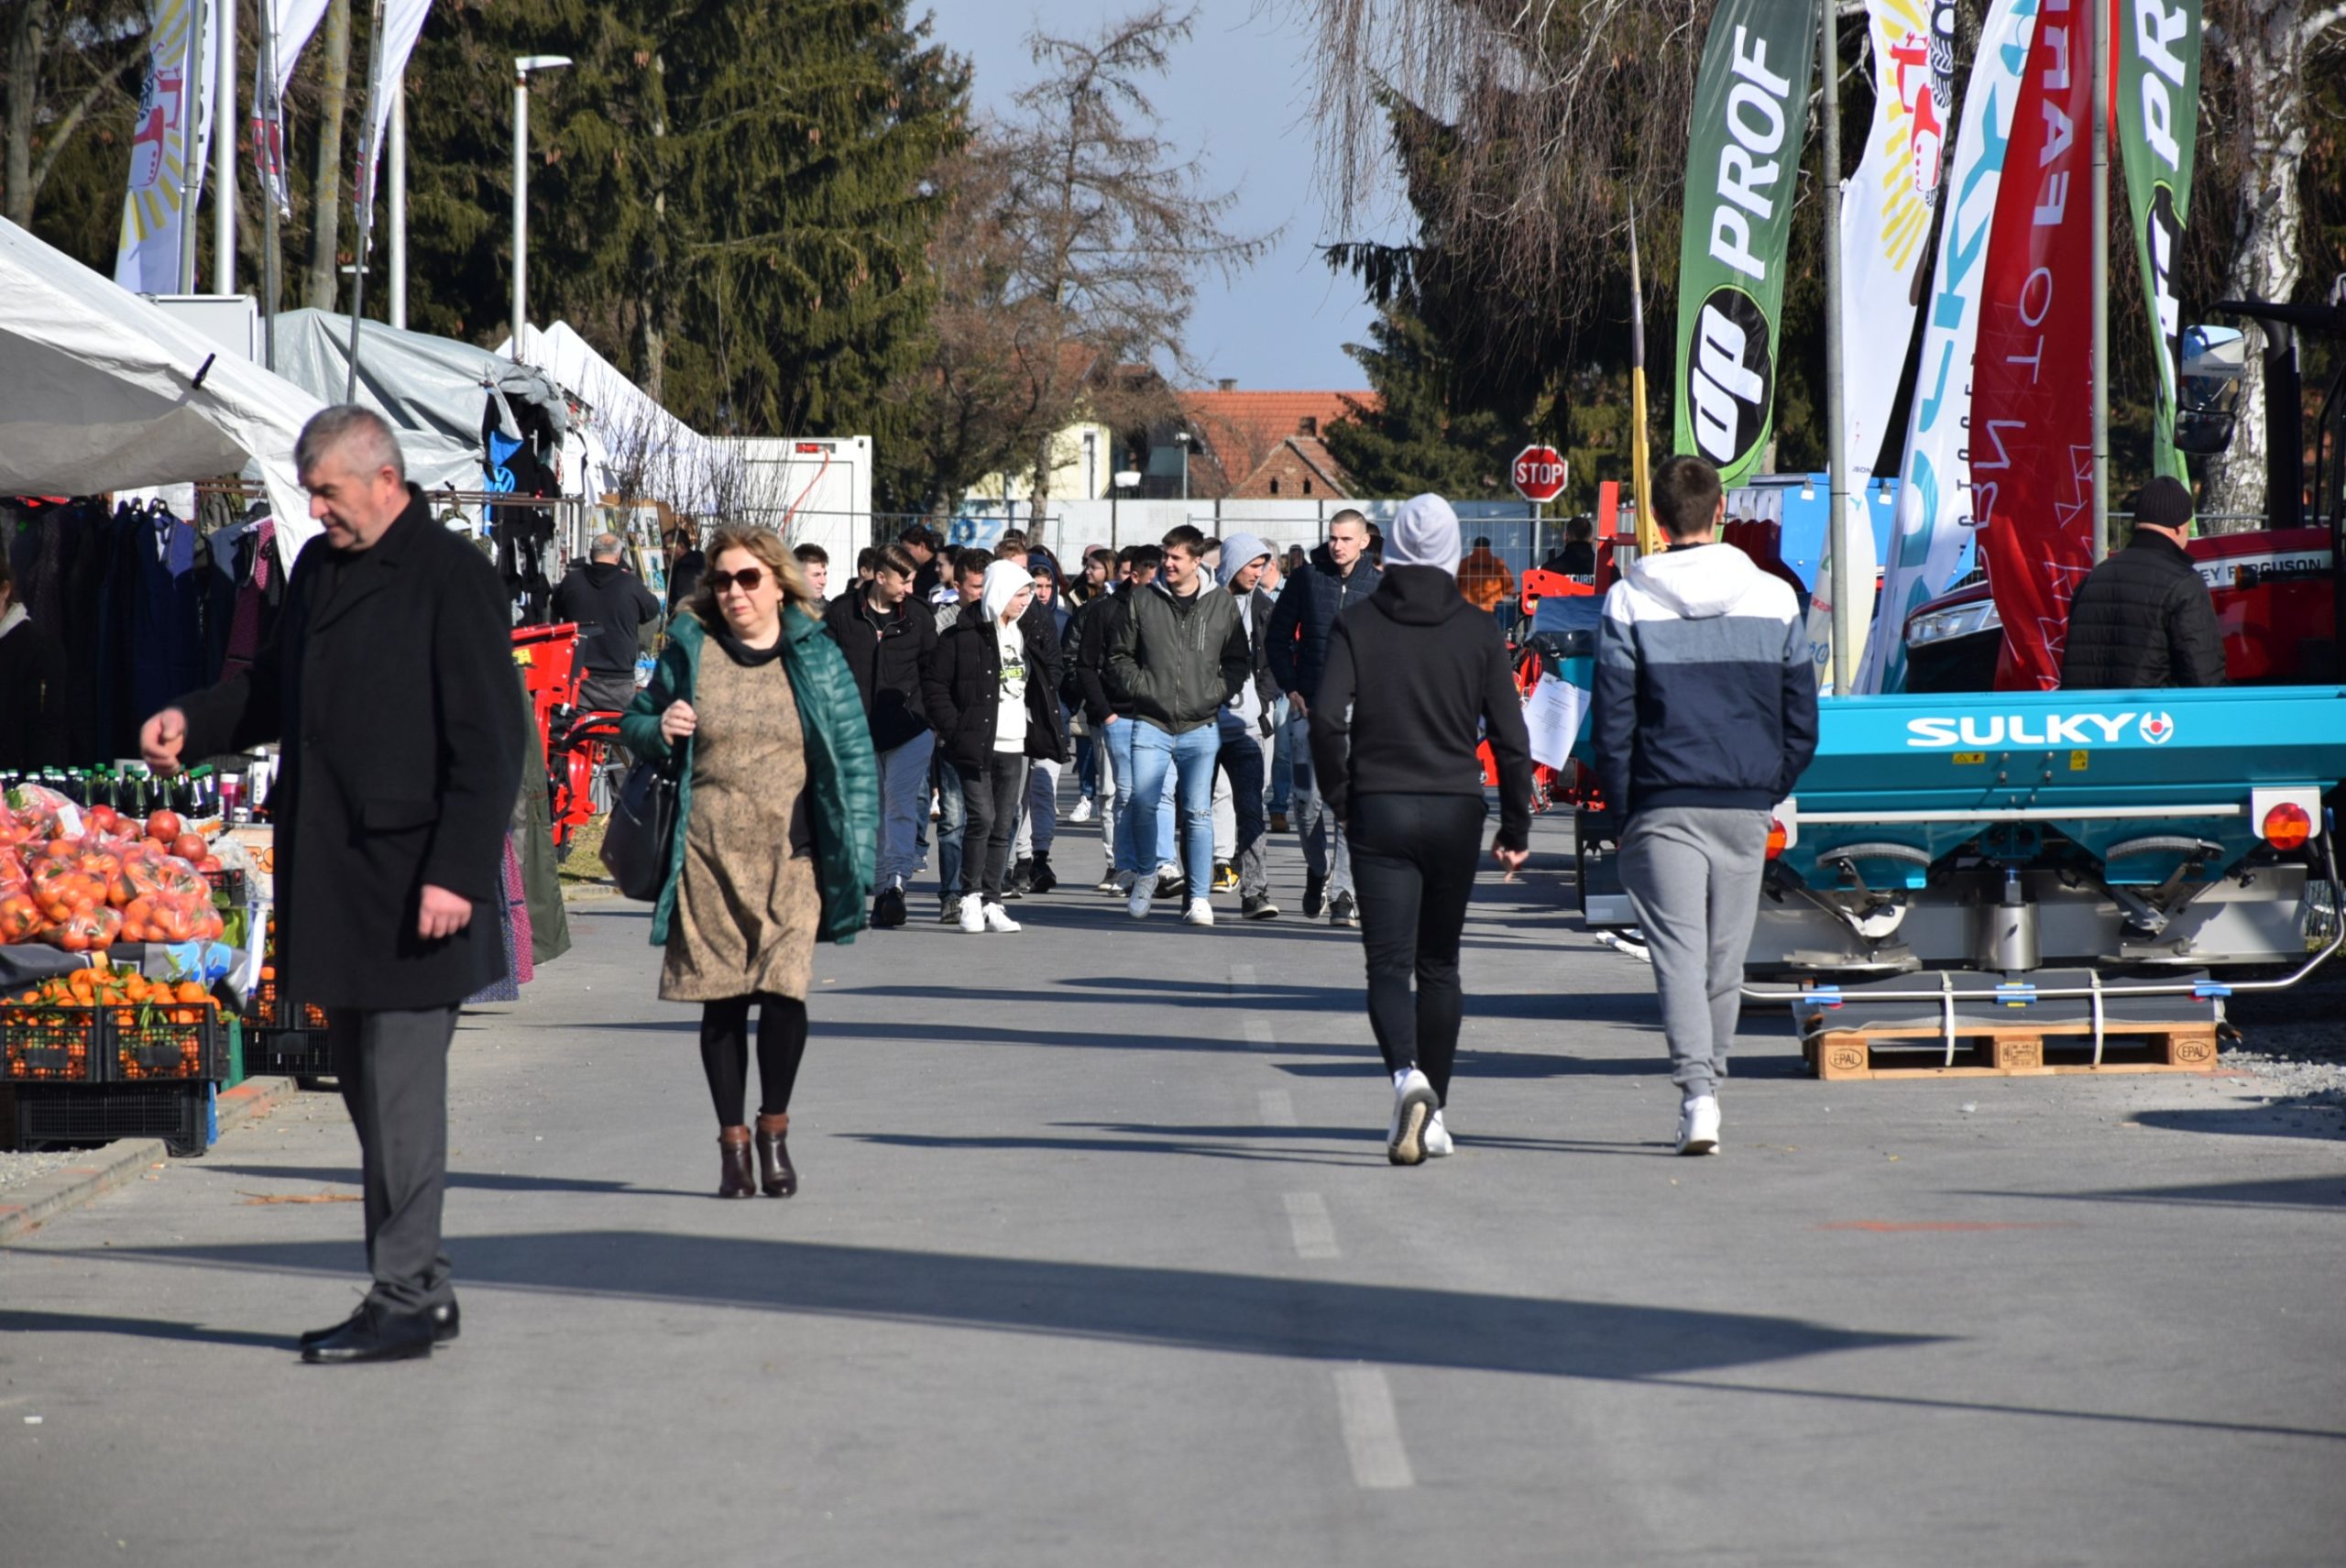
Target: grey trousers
{"points": [[1326, 855], [1692, 874], [394, 1070]]}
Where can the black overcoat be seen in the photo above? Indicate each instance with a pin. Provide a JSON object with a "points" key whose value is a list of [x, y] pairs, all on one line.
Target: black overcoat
{"points": [[402, 722]]}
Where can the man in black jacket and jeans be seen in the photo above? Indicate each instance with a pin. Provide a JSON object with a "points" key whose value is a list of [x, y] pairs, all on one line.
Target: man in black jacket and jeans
{"points": [[612, 607], [1340, 577], [2143, 618], [889, 637]]}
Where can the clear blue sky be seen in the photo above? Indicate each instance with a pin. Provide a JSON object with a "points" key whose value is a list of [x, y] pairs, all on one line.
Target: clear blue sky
{"points": [[1238, 92]]}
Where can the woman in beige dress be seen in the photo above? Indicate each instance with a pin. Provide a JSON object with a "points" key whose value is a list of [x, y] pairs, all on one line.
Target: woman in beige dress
{"points": [[777, 814]]}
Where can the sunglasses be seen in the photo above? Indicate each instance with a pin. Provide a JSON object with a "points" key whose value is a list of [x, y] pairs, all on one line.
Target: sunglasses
{"points": [[747, 578]]}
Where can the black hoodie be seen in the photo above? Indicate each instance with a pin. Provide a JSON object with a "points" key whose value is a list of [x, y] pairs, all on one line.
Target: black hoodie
{"points": [[610, 605], [1424, 675]]}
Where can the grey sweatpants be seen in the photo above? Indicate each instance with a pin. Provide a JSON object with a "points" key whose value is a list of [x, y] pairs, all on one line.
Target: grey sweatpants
{"points": [[1692, 873]]}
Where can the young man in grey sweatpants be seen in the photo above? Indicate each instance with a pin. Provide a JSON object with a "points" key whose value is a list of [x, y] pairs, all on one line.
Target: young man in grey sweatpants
{"points": [[1705, 714]]}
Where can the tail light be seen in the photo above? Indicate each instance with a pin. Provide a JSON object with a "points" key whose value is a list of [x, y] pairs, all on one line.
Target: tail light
{"points": [[2287, 827], [1778, 838]]}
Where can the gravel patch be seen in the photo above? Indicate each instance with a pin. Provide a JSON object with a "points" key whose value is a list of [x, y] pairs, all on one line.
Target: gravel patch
{"points": [[18, 1168], [2296, 1040]]}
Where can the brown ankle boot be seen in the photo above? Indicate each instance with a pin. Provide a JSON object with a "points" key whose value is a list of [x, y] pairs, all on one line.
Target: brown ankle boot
{"points": [[773, 1156], [734, 1178]]}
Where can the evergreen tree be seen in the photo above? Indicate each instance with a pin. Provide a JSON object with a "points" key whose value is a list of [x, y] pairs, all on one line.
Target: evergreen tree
{"points": [[1416, 437]]}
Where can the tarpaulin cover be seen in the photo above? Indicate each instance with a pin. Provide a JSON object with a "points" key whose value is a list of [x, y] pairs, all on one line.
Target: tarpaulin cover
{"points": [[432, 388]]}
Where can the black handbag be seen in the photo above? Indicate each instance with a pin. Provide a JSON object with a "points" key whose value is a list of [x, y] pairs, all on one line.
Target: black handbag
{"points": [[639, 841]]}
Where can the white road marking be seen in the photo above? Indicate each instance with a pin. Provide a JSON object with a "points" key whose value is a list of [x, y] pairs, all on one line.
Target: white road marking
{"points": [[1372, 1431], [1278, 1109], [1257, 1032], [1314, 1230]]}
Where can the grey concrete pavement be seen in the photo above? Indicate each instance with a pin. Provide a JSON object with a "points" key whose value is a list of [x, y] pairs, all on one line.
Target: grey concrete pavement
{"points": [[1099, 1261]]}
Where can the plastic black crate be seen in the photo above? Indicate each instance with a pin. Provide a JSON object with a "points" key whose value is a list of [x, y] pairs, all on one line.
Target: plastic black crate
{"points": [[299, 1054], [272, 1010], [161, 1042], [77, 1115], [231, 882], [51, 1045]]}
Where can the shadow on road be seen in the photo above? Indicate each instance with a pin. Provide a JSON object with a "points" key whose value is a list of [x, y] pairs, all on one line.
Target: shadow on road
{"points": [[480, 1181], [2280, 1193], [2282, 1119], [19, 1323]]}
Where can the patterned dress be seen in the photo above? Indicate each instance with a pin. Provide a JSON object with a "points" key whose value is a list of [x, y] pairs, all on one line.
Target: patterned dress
{"points": [[746, 909]]}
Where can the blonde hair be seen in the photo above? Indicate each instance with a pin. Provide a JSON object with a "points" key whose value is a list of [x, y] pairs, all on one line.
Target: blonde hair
{"points": [[766, 545]]}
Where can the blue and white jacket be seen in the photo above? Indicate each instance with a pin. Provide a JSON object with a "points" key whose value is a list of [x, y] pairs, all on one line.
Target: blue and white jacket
{"points": [[1704, 693]]}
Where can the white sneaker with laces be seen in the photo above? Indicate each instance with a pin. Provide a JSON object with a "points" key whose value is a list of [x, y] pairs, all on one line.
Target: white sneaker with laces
{"points": [[1083, 812], [1137, 902], [973, 914], [1438, 1142], [1200, 913], [1698, 1125], [1413, 1109], [998, 919]]}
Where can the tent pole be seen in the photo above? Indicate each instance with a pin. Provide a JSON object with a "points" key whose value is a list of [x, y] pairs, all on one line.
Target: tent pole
{"points": [[364, 190]]}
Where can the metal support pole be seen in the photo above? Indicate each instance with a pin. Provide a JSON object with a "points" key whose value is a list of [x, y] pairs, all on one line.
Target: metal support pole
{"points": [[365, 186], [1836, 429], [398, 197], [223, 149], [266, 116], [2097, 34], [521, 206], [196, 74]]}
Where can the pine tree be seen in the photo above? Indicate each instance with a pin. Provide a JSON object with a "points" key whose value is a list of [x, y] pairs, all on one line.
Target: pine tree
{"points": [[1414, 438]]}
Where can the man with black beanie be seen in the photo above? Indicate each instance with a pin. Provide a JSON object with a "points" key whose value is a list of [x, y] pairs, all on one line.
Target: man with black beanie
{"points": [[2143, 618]]}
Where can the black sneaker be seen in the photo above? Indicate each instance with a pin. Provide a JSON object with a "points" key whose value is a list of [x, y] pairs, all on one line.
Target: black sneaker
{"points": [[1315, 896], [1343, 911], [1022, 877], [948, 909], [888, 909], [1042, 878], [1172, 886], [1258, 906]]}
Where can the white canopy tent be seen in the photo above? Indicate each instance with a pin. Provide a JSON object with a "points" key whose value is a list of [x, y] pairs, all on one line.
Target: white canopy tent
{"points": [[624, 429], [101, 392], [430, 389]]}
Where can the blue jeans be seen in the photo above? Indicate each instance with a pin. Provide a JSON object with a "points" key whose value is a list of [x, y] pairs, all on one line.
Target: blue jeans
{"points": [[904, 808], [1282, 757], [1191, 756], [1137, 848], [952, 824], [1086, 765]]}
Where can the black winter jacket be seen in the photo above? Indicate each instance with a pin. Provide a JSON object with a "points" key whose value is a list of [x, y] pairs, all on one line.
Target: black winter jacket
{"points": [[1087, 660], [611, 606], [889, 656], [1306, 617], [964, 688], [1441, 682], [2143, 617], [1178, 660], [32, 697]]}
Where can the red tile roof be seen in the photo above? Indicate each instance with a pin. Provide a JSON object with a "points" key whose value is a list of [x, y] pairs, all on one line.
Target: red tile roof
{"points": [[1245, 428]]}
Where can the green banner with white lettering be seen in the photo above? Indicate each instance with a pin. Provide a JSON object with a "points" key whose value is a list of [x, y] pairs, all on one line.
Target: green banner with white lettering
{"points": [[1742, 172], [2155, 101]]}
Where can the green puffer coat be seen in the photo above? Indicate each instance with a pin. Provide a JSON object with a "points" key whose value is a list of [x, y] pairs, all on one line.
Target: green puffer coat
{"points": [[843, 775]]}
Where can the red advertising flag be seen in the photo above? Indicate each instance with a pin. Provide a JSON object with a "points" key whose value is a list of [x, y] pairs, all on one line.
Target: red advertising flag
{"points": [[2032, 403]]}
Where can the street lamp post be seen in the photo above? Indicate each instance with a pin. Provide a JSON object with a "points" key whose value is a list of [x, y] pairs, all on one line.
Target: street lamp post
{"points": [[522, 66], [1182, 437]]}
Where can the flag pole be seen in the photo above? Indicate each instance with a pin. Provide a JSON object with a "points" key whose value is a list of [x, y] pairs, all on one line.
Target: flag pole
{"points": [[1835, 409], [195, 79], [364, 190], [2097, 53], [1640, 460]]}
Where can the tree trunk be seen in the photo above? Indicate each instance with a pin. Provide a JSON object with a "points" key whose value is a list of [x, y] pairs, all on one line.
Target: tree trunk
{"points": [[326, 192], [2266, 41], [27, 43]]}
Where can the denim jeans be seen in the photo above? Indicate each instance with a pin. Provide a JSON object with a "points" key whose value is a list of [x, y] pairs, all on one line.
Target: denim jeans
{"points": [[1086, 765], [1191, 757], [1282, 758], [1325, 853], [1038, 812], [904, 808], [1137, 846], [952, 826], [1243, 755], [990, 794]]}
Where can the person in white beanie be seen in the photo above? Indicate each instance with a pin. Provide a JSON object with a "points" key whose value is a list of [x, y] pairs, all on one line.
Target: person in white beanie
{"points": [[1397, 759], [1248, 726]]}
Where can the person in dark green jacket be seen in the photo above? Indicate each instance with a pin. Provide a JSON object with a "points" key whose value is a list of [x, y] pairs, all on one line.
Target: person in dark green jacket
{"points": [[777, 822]]}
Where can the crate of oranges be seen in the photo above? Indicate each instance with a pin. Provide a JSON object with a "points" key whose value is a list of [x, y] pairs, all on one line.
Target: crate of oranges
{"points": [[109, 1026]]}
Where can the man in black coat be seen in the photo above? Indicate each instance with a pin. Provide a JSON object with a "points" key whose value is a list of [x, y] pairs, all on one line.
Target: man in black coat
{"points": [[889, 638], [2144, 617], [611, 608], [389, 683], [1341, 575]]}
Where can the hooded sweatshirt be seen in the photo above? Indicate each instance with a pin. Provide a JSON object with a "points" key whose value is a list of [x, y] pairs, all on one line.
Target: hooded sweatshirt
{"points": [[1704, 693], [610, 605], [1005, 580], [1245, 713]]}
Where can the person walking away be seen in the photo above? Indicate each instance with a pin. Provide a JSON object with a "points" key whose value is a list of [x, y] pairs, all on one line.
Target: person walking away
{"points": [[32, 686], [1247, 724], [991, 714], [1424, 678], [2143, 618], [969, 581], [684, 576], [1577, 556], [1484, 578], [389, 682], [814, 565], [1705, 715], [611, 607], [1338, 577], [777, 805], [1038, 813], [888, 638], [1179, 652]]}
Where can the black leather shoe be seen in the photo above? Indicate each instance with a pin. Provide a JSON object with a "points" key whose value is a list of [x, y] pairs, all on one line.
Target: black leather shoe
{"points": [[447, 1323], [375, 1335]]}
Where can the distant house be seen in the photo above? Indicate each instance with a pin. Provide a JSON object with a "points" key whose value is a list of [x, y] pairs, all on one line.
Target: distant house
{"points": [[1264, 445]]}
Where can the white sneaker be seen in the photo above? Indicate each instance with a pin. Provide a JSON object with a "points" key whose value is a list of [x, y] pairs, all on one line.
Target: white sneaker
{"points": [[973, 914], [1083, 812], [1200, 913], [1413, 1108], [1438, 1142], [1137, 902], [998, 919], [1698, 1125]]}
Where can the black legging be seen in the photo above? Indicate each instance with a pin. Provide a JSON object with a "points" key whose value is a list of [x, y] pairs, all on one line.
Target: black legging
{"points": [[1413, 868], [725, 1053]]}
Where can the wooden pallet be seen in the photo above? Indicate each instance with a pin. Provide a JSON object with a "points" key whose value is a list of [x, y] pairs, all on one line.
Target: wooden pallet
{"points": [[2031, 1049]]}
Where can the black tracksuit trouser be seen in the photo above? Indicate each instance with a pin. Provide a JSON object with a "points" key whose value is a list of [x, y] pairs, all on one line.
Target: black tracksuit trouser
{"points": [[1413, 866]]}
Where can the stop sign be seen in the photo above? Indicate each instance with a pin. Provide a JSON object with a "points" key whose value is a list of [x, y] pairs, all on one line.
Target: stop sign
{"points": [[1540, 473]]}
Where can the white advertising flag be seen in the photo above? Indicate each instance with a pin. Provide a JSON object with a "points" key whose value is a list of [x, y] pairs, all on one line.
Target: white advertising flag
{"points": [[293, 23], [402, 22], [1933, 512], [168, 143]]}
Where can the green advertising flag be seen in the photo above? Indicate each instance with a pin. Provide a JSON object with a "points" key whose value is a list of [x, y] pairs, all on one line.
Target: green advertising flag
{"points": [[2155, 101], [1742, 171]]}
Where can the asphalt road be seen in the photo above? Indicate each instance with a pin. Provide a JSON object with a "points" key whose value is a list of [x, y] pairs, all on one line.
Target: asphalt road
{"points": [[1099, 1261]]}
